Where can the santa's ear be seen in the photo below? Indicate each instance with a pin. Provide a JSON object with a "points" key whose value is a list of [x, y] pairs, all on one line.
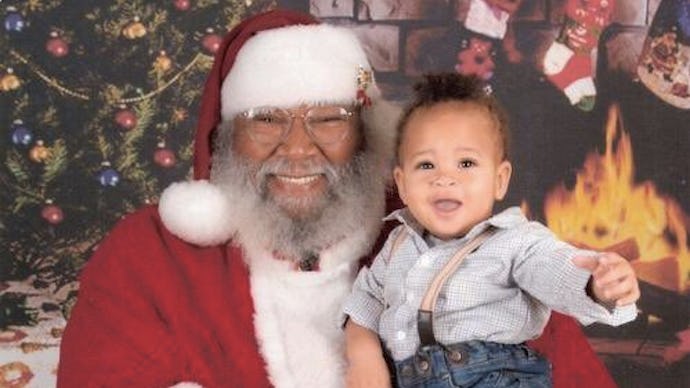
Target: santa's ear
{"points": [[197, 212]]}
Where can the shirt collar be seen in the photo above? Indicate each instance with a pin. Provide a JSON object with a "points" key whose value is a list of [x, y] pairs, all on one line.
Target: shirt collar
{"points": [[507, 218]]}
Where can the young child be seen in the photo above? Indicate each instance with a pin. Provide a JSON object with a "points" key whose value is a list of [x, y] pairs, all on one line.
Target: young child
{"points": [[452, 165]]}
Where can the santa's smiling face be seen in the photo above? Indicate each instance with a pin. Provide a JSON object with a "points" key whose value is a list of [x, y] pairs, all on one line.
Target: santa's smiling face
{"points": [[293, 169]]}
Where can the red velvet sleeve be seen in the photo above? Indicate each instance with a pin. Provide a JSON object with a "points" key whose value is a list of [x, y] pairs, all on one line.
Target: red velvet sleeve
{"points": [[574, 362], [114, 336]]}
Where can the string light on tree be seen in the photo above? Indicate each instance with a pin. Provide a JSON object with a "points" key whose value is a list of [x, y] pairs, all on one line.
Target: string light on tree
{"points": [[164, 156], [39, 153], [14, 21], [134, 30], [108, 176], [21, 134], [126, 118], [9, 81], [211, 41], [56, 45]]}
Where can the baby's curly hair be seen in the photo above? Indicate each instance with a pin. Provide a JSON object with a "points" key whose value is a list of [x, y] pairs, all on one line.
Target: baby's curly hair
{"points": [[447, 87]]}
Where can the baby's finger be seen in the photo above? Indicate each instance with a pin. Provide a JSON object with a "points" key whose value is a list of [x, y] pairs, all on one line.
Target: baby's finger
{"points": [[631, 298]]}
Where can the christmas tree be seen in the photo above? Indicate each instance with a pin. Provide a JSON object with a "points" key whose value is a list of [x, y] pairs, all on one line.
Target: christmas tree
{"points": [[98, 103]]}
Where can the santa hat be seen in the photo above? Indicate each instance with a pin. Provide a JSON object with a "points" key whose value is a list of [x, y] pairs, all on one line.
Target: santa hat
{"points": [[279, 58]]}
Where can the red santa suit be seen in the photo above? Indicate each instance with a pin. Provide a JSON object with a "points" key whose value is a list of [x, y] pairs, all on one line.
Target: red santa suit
{"points": [[171, 297]]}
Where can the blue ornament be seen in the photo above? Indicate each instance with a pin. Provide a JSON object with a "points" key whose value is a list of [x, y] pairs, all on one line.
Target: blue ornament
{"points": [[108, 177], [21, 135], [14, 21]]}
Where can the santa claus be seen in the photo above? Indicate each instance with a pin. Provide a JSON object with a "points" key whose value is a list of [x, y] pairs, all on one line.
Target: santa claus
{"points": [[236, 279]]}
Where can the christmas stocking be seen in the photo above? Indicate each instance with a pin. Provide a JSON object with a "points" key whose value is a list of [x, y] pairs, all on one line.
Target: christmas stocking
{"points": [[664, 65], [490, 17], [567, 62]]}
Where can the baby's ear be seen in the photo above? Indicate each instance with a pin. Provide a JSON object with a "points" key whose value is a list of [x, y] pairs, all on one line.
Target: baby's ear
{"points": [[503, 173], [400, 183]]}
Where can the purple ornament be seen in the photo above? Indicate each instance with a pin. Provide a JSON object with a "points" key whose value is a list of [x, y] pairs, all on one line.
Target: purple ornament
{"points": [[14, 21], [21, 135], [108, 177]]}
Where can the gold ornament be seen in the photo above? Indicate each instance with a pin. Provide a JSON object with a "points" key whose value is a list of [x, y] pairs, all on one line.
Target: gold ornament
{"points": [[162, 63], [39, 152], [134, 30], [179, 114], [9, 81]]}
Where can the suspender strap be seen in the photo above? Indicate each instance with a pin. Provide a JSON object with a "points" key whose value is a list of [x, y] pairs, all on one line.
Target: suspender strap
{"points": [[426, 309]]}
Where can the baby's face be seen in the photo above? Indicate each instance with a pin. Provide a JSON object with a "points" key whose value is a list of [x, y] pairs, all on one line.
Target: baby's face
{"points": [[450, 170]]}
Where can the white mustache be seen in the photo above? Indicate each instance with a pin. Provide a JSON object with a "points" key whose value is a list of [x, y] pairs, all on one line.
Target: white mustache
{"points": [[305, 168]]}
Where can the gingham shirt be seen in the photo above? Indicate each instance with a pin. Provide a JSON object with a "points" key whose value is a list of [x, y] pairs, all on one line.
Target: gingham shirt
{"points": [[502, 292]]}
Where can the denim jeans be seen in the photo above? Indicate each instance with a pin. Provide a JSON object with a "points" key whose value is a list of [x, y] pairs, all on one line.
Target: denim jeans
{"points": [[474, 364]]}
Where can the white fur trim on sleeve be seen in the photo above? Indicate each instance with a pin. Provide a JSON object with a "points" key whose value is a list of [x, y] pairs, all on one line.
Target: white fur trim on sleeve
{"points": [[186, 384], [197, 212]]}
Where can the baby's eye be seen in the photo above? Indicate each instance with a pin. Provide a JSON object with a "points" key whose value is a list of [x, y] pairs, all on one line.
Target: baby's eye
{"points": [[467, 163], [425, 166]]}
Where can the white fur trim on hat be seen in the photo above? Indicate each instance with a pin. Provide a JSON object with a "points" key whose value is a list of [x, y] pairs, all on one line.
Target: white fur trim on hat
{"points": [[295, 65], [197, 212]]}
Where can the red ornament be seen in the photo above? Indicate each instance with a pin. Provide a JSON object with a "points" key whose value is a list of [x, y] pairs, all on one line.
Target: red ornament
{"points": [[57, 46], [182, 5], [126, 119], [211, 42], [164, 157], [52, 213]]}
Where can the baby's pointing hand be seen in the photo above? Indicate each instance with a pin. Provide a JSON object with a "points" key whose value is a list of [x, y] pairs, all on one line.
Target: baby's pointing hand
{"points": [[613, 281]]}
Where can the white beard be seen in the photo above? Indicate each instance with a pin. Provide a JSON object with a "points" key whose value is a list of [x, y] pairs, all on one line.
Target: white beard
{"points": [[354, 201]]}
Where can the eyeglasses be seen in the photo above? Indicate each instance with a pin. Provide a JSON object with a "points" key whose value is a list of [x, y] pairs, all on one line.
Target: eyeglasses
{"points": [[325, 125]]}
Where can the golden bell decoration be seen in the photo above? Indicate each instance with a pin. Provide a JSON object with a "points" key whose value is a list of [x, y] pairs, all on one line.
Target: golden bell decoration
{"points": [[9, 81], [162, 62], [39, 153], [134, 30]]}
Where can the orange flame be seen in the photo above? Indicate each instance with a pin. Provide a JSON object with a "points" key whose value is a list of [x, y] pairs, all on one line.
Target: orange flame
{"points": [[606, 207]]}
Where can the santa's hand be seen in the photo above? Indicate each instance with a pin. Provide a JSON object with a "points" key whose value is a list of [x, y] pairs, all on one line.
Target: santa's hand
{"points": [[613, 281]]}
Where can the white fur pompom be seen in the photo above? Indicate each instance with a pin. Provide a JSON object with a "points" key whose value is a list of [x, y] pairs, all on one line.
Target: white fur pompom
{"points": [[197, 212]]}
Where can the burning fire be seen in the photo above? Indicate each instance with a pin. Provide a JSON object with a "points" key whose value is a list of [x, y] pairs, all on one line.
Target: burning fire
{"points": [[607, 208]]}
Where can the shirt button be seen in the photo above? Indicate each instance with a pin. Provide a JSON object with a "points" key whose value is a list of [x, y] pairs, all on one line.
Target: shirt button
{"points": [[400, 335], [425, 262], [410, 296]]}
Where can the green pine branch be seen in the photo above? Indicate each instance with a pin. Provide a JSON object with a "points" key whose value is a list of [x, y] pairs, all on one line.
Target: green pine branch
{"points": [[56, 163]]}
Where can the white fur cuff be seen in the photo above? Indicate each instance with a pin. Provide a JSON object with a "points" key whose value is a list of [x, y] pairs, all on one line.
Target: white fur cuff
{"points": [[186, 384]]}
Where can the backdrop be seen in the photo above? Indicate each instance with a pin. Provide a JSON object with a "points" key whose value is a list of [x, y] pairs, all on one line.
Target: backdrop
{"points": [[98, 104]]}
